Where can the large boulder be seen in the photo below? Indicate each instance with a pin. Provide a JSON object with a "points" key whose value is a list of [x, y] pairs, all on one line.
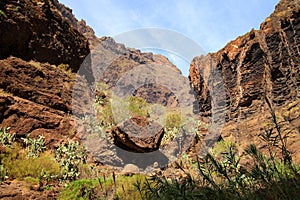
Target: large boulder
{"points": [[138, 135]]}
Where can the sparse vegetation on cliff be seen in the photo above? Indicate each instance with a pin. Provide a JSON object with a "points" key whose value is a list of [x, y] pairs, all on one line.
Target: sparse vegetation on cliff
{"points": [[42, 46], [270, 172]]}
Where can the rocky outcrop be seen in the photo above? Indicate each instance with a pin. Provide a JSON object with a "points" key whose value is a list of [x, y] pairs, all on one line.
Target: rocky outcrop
{"points": [[157, 94], [112, 60], [36, 30], [40, 54], [261, 64], [37, 98], [81, 25]]}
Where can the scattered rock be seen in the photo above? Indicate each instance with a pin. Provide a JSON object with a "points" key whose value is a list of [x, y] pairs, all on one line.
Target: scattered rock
{"points": [[21, 190], [130, 169]]}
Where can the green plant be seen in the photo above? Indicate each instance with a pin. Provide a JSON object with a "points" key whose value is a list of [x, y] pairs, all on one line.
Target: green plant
{"points": [[18, 8], [226, 173], [173, 120], [92, 125], [67, 69], [111, 187], [99, 100], [169, 135], [6, 138], [187, 162], [105, 115], [138, 107], [172, 127], [3, 173], [34, 146], [17, 164], [157, 187], [32, 181], [271, 175], [3, 13], [79, 189], [35, 64], [2, 92], [70, 156]]}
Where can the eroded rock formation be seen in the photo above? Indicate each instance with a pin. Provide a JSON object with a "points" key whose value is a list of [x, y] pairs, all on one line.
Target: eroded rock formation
{"points": [[41, 53], [36, 30], [258, 65]]}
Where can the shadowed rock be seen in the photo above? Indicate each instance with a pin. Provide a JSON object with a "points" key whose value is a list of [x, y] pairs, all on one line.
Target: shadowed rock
{"points": [[138, 135]]}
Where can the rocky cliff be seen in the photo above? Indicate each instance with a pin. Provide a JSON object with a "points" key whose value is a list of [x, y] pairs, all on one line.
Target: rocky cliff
{"points": [[112, 60], [42, 46], [36, 30], [41, 53], [261, 64]]}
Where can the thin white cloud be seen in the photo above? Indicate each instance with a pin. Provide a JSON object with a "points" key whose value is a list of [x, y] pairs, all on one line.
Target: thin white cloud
{"points": [[211, 24]]}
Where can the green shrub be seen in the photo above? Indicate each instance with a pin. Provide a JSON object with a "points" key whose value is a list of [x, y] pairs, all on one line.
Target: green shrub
{"points": [[34, 146], [271, 175], [112, 187], [104, 114], [106, 118], [105, 93], [172, 127], [138, 107], [2, 13], [169, 135], [91, 124], [67, 70], [173, 120], [79, 189], [6, 138], [3, 173], [17, 164], [70, 156], [35, 64]]}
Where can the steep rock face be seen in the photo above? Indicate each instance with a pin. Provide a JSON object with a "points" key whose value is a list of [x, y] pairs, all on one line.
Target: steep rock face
{"points": [[81, 25], [121, 60], [111, 60], [157, 94], [37, 92], [261, 64], [36, 30], [33, 101], [35, 96]]}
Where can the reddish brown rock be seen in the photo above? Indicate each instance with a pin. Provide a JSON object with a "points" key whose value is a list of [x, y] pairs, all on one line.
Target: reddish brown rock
{"points": [[262, 63], [21, 190], [112, 60], [37, 98], [157, 94], [36, 30], [138, 135]]}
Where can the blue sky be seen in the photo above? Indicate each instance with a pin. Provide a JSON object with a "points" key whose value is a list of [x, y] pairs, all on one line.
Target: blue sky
{"points": [[211, 24]]}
